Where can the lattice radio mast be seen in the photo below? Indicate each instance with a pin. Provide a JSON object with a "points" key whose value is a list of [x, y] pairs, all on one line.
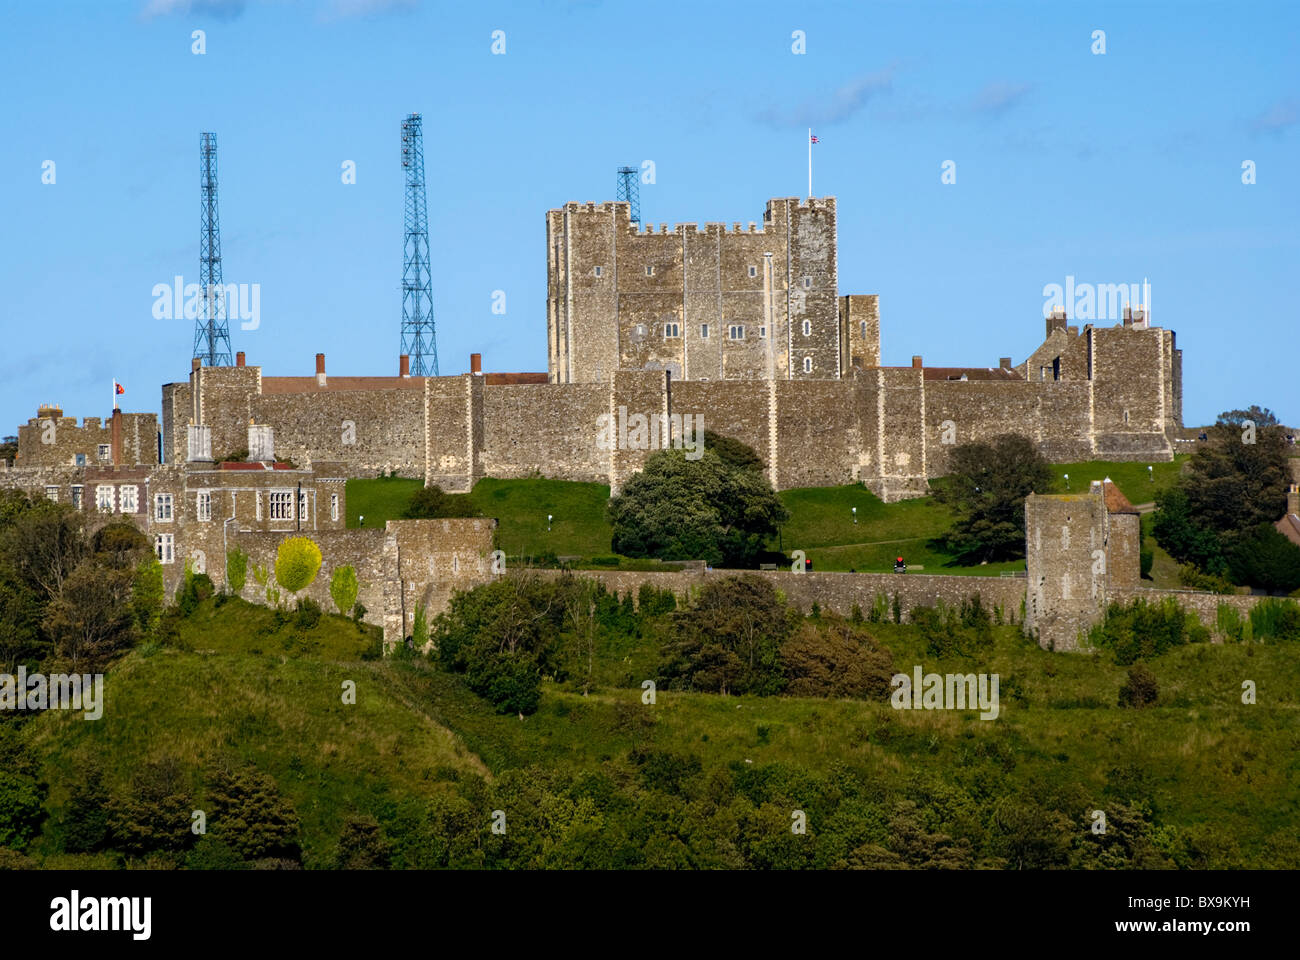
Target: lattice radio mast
{"points": [[418, 336], [629, 189], [211, 329]]}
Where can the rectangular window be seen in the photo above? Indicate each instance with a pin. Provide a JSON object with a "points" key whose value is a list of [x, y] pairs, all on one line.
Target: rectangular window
{"points": [[807, 328], [599, 271], [807, 283], [736, 331], [52, 494], [864, 329], [650, 270], [105, 451], [762, 333], [302, 505], [281, 504], [203, 504], [162, 507], [753, 271], [104, 498], [129, 499], [704, 331], [334, 506], [672, 330], [79, 459], [807, 364], [164, 544], [77, 496]]}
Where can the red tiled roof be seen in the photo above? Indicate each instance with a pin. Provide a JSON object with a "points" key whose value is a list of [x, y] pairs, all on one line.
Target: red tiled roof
{"points": [[501, 379], [272, 385], [1116, 502]]}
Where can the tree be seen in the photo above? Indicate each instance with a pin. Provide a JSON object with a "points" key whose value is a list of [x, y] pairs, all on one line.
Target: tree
{"points": [[91, 619], [1265, 558], [732, 452], [22, 808], [44, 542], [680, 509], [832, 660], [987, 490], [86, 815], [148, 595], [297, 561], [250, 815], [362, 846], [729, 640], [431, 502], [153, 815], [1140, 689], [1185, 540], [343, 588]]}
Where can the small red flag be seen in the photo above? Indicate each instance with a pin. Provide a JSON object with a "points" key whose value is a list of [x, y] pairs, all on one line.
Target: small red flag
{"points": [[814, 139], [118, 388]]}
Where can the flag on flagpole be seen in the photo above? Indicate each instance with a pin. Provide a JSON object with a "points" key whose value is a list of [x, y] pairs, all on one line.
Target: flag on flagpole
{"points": [[118, 388], [813, 139]]}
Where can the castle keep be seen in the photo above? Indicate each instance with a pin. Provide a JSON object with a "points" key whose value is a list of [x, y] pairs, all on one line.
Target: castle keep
{"points": [[744, 328]]}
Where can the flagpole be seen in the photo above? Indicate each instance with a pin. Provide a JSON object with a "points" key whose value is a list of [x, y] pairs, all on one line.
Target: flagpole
{"points": [[810, 163], [115, 394]]}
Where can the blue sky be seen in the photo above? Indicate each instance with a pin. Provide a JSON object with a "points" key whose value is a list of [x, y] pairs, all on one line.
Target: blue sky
{"points": [[1114, 168]]}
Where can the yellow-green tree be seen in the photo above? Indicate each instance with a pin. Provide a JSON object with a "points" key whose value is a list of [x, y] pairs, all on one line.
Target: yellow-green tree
{"points": [[296, 563]]}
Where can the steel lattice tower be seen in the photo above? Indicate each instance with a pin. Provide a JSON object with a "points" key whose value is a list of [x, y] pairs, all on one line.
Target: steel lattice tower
{"points": [[418, 336], [211, 329], [629, 189]]}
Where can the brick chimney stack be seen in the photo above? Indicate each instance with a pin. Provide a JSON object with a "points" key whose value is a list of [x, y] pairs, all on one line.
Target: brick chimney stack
{"points": [[1004, 363], [916, 363], [239, 358], [404, 365], [476, 364], [115, 437], [195, 364], [320, 369]]}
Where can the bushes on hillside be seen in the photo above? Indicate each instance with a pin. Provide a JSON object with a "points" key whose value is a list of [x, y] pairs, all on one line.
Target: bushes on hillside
{"points": [[1140, 689], [248, 813], [962, 631], [1142, 630], [833, 659], [431, 502], [344, 588]]}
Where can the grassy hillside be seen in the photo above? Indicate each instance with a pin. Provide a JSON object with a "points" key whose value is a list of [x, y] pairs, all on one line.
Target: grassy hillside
{"points": [[429, 760]]}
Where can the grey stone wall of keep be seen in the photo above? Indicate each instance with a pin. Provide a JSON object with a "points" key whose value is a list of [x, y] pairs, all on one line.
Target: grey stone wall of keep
{"points": [[58, 441], [548, 428], [370, 430]]}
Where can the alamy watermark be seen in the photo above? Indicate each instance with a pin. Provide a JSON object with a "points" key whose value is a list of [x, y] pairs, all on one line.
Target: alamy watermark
{"points": [[1096, 301], [655, 431], [58, 691], [189, 301], [951, 691]]}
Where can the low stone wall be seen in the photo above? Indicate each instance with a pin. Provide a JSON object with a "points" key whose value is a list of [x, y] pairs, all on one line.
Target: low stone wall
{"points": [[836, 592], [1204, 605]]}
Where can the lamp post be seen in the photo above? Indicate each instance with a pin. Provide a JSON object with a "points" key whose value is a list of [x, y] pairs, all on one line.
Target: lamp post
{"points": [[549, 518], [855, 514], [1067, 481], [1151, 474]]}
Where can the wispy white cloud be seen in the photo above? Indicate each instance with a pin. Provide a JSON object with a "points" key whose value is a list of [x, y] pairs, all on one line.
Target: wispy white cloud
{"points": [[1283, 114], [217, 9], [998, 97], [835, 107]]}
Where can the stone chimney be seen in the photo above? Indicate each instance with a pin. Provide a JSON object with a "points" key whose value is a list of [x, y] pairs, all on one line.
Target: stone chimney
{"points": [[195, 364], [404, 365], [476, 364], [1057, 320], [261, 443], [1004, 363], [200, 444], [320, 369], [115, 436]]}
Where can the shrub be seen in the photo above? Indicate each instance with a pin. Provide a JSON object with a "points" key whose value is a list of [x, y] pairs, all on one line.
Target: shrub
{"points": [[362, 846], [236, 570], [343, 588], [249, 814], [1197, 579], [651, 601], [147, 596], [431, 502], [1140, 689], [1142, 631], [297, 562], [834, 660], [21, 809], [196, 588], [85, 818], [1228, 621], [154, 813], [420, 628], [308, 613], [1275, 619]]}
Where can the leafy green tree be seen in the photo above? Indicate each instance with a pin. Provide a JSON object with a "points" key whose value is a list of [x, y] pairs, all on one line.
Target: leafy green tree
{"points": [[251, 816], [297, 561], [1140, 689], [1265, 558], [832, 659], [91, 619], [344, 588], [729, 640], [987, 489], [148, 596], [362, 846], [732, 452], [86, 815], [22, 808], [153, 814], [680, 509], [44, 542]]}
